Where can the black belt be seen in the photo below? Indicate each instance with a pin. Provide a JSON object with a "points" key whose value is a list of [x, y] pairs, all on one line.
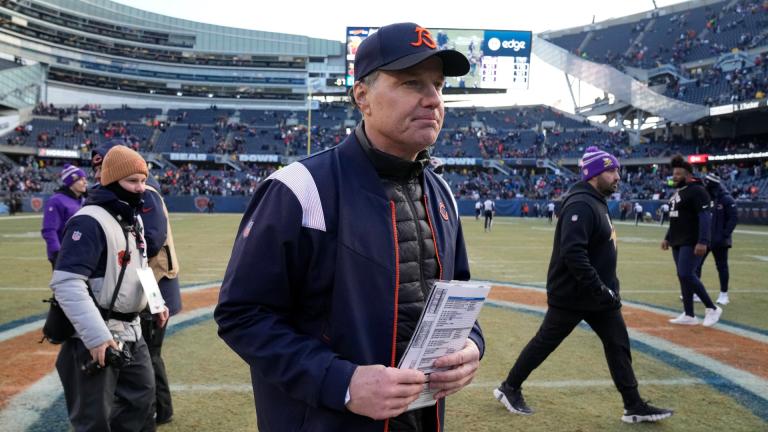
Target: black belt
{"points": [[120, 316]]}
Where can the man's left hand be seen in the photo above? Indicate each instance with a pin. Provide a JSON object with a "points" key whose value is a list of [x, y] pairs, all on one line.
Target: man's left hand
{"points": [[700, 249], [462, 366], [161, 318]]}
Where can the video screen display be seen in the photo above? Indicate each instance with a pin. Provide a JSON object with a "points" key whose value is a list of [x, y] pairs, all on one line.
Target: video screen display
{"points": [[499, 59]]}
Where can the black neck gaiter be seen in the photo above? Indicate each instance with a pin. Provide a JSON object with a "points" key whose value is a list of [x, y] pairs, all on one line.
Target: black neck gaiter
{"points": [[133, 199]]}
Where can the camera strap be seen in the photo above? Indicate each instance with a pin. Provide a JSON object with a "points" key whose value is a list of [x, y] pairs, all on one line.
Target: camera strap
{"points": [[123, 265]]}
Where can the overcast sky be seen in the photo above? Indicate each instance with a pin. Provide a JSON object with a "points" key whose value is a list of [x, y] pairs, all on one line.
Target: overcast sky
{"points": [[328, 20]]}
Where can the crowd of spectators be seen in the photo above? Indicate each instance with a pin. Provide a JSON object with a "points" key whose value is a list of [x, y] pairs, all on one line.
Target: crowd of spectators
{"points": [[188, 179], [26, 179], [748, 82]]}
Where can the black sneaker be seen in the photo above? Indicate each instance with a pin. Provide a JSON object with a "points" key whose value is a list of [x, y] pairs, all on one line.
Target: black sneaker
{"points": [[512, 399], [644, 412]]}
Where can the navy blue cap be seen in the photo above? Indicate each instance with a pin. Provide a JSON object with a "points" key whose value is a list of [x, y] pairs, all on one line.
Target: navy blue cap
{"points": [[402, 45], [98, 153]]}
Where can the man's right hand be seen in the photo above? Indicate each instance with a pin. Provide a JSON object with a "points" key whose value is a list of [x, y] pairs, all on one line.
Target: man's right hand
{"points": [[664, 244], [99, 353], [381, 392]]}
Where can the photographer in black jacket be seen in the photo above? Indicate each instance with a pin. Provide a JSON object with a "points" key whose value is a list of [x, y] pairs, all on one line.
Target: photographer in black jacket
{"points": [[582, 285]]}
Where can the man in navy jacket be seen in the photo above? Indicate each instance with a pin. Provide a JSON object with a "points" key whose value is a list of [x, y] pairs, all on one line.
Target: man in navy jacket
{"points": [[337, 251], [725, 216]]}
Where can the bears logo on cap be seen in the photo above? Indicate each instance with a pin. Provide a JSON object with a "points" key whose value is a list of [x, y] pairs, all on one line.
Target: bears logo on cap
{"points": [[424, 37]]}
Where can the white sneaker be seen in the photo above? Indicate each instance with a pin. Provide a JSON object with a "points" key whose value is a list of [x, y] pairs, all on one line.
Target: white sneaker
{"points": [[684, 319], [723, 298], [711, 316]]}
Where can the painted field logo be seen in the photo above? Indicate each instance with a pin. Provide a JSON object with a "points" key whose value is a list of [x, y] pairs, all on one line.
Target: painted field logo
{"points": [[443, 211], [36, 203], [201, 203]]}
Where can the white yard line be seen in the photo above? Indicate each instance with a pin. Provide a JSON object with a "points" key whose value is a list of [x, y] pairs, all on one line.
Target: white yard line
{"points": [[596, 383], [561, 384], [10, 218]]}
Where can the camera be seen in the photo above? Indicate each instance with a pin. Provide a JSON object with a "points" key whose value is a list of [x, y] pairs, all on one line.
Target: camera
{"points": [[116, 358]]}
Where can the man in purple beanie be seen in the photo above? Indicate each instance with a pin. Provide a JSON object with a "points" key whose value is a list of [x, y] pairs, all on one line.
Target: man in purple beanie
{"points": [[61, 206], [582, 286]]}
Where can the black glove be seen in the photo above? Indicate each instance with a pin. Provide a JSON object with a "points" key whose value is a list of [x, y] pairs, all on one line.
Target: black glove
{"points": [[53, 257], [609, 296]]}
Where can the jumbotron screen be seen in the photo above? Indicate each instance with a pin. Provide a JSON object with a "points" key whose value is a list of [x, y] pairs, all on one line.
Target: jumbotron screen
{"points": [[499, 59]]}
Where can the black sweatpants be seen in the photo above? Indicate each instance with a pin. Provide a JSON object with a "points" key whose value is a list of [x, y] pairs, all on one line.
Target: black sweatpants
{"points": [[112, 400], [721, 263], [488, 219], [558, 324]]}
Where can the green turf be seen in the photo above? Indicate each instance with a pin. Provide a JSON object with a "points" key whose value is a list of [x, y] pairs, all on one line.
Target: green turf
{"points": [[215, 396]]}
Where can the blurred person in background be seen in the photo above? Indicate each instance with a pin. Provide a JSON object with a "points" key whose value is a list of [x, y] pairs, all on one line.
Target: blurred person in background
{"points": [[64, 203], [725, 216]]}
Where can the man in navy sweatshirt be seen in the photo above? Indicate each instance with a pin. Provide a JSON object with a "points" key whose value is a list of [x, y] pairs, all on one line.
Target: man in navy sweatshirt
{"points": [[724, 219], [582, 285]]}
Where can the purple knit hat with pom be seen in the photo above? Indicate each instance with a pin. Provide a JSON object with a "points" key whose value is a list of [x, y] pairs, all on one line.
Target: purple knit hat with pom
{"points": [[595, 161], [71, 174]]}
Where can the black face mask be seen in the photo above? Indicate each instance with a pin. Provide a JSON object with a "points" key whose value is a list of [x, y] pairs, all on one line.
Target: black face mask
{"points": [[134, 200]]}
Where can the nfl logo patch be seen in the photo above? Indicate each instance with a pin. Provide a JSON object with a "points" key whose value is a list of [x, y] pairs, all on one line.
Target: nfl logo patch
{"points": [[574, 218], [76, 235]]}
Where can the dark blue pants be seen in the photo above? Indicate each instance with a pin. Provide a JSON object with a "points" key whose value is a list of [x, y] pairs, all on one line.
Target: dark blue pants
{"points": [[687, 263], [721, 262]]}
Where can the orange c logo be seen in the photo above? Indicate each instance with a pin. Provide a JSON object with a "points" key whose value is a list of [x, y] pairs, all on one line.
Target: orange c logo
{"points": [[424, 37]]}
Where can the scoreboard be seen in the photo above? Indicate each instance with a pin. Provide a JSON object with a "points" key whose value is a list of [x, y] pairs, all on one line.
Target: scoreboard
{"points": [[499, 59]]}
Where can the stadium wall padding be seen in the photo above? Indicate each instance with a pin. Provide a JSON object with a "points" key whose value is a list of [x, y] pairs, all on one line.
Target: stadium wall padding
{"points": [[750, 212]]}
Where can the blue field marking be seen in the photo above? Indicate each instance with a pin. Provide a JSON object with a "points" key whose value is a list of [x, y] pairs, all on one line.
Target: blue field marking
{"points": [[55, 419], [10, 325], [756, 404], [52, 419]]}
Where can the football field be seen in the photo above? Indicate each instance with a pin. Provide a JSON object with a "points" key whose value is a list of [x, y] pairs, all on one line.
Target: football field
{"points": [[714, 378]]}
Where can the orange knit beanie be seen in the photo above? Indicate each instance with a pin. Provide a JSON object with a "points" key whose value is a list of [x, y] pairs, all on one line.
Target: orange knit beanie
{"points": [[120, 162]]}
